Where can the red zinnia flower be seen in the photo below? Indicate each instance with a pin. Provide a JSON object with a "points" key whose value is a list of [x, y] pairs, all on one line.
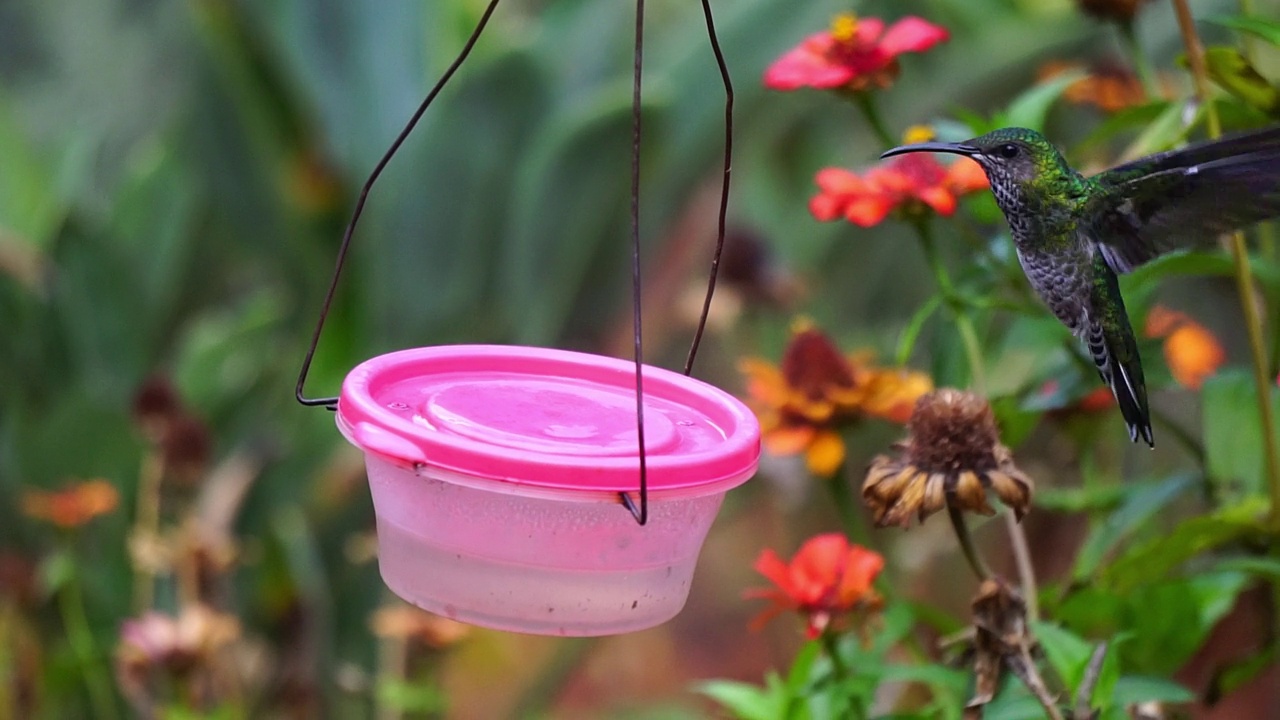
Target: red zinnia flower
{"points": [[914, 183], [826, 578], [855, 54]]}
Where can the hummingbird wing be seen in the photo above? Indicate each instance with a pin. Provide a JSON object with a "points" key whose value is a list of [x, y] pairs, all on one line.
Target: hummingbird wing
{"points": [[1150, 206]]}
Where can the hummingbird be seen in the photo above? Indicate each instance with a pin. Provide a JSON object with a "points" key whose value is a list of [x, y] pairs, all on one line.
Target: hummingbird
{"points": [[1075, 234]]}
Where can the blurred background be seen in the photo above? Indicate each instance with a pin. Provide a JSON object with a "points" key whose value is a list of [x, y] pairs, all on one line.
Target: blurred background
{"points": [[174, 180]]}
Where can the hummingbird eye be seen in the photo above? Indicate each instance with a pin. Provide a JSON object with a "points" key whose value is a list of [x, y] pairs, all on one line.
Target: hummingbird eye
{"points": [[1008, 151]]}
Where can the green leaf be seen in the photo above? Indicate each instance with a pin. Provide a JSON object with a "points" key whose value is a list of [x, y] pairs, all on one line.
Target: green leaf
{"points": [[744, 700], [1131, 118], [56, 570], [1156, 559], [1230, 69], [1233, 431], [1171, 620], [410, 696], [802, 666], [573, 161], [1031, 108], [1142, 501], [1133, 689], [1162, 132], [1262, 567], [1268, 30], [1067, 653], [30, 206], [1081, 499]]}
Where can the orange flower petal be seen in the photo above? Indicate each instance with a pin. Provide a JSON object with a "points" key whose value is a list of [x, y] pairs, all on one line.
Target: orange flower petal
{"points": [[825, 454], [788, 440], [1193, 354], [965, 176], [938, 198]]}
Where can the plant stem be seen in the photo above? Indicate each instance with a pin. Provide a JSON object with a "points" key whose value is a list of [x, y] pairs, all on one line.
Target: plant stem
{"points": [[964, 324], [1246, 8], [80, 635], [1141, 64], [1244, 278], [966, 542], [867, 104], [854, 528], [832, 649], [146, 527], [1026, 571], [542, 692]]}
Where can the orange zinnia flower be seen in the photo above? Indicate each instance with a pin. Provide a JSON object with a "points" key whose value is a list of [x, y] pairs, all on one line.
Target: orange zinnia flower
{"points": [[915, 183], [827, 578], [855, 54], [803, 402], [1191, 351], [72, 506]]}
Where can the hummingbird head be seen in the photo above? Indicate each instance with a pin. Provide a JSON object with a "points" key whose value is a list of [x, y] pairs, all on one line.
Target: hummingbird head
{"points": [[1020, 164]]}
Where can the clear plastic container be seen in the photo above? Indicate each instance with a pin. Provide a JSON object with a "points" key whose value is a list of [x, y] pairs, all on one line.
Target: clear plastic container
{"points": [[495, 474]]}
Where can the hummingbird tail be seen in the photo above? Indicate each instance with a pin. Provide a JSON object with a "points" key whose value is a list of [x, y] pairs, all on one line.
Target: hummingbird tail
{"points": [[1116, 356]]}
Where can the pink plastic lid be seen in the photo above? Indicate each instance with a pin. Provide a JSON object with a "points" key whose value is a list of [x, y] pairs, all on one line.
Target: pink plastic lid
{"points": [[546, 418]]}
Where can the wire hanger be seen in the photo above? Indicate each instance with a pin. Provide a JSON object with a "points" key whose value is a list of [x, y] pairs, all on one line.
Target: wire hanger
{"points": [[638, 511]]}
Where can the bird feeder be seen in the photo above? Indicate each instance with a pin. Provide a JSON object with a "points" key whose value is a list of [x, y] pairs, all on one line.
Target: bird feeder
{"points": [[541, 490]]}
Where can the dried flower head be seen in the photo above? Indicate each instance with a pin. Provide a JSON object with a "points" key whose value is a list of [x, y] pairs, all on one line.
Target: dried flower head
{"points": [[155, 404], [408, 623], [952, 455], [1121, 11], [158, 654], [1110, 87]]}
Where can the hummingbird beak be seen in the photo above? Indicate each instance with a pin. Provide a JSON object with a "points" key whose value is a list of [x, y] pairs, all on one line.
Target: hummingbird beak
{"points": [[954, 148]]}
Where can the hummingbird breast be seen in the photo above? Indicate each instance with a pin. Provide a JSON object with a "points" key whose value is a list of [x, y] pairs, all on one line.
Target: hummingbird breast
{"points": [[1061, 276]]}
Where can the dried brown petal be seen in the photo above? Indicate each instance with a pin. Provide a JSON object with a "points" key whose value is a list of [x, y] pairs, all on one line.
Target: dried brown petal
{"points": [[1003, 641], [1122, 11]]}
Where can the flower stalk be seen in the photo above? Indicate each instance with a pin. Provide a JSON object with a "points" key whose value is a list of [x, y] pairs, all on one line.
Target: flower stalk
{"points": [[871, 112], [71, 605]]}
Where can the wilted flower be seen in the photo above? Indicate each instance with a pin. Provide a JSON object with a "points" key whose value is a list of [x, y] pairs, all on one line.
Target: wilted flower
{"points": [[1002, 641], [912, 184], [182, 438], [827, 578], [405, 622], [74, 505], [952, 455], [855, 54], [815, 391], [1108, 87], [1191, 351], [155, 650], [1121, 11]]}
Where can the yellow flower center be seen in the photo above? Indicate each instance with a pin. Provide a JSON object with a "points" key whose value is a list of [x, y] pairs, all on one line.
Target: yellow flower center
{"points": [[801, 324], [844, 28], [917, 134]]}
